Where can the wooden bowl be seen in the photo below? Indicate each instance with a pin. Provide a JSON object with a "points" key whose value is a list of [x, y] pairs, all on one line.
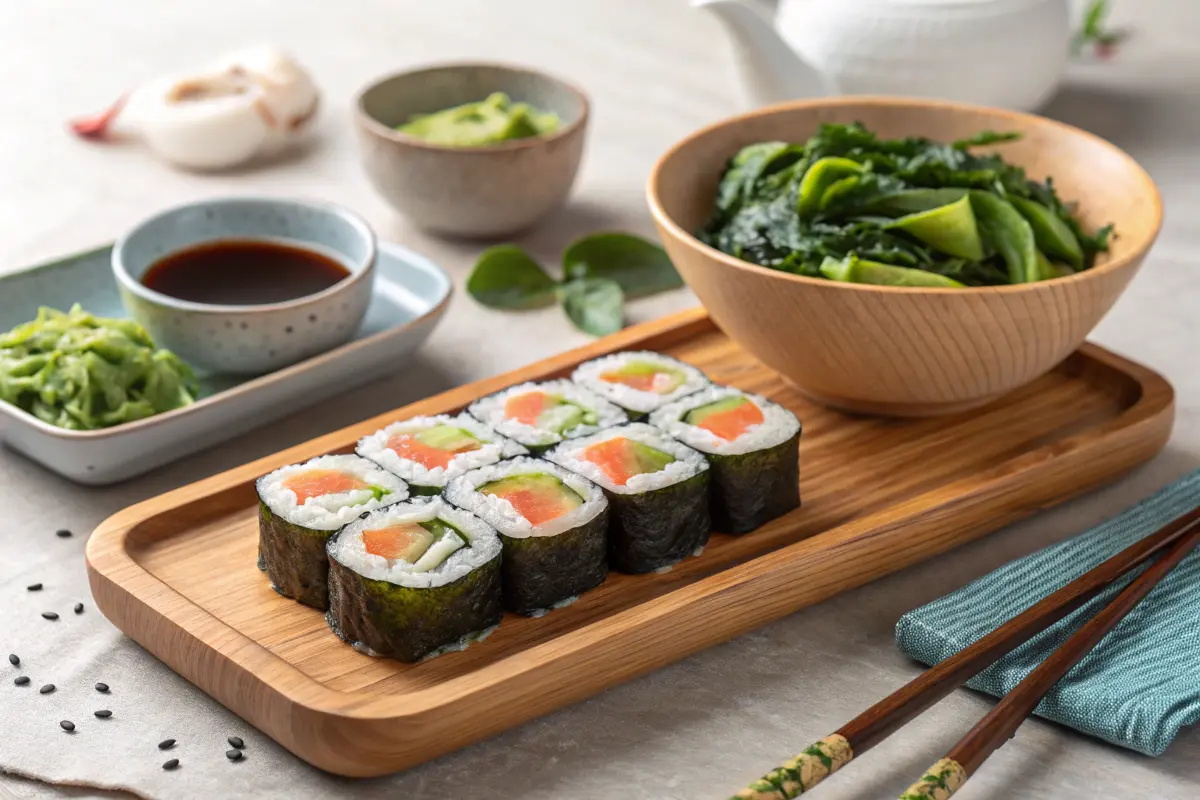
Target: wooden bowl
{"points": [[905, 351]]}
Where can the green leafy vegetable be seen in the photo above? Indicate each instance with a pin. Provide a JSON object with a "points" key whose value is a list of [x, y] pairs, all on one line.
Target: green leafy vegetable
{"points": [[950, 229], [853, 269], [599, 271], [82, 372], [505, 276], [914, 203], [641, 268], [1009, 234], [821, 177], [595, 305], [1052, 234], [986, 137]]}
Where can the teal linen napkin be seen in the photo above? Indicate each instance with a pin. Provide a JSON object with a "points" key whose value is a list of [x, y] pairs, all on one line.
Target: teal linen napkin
{"points": [[1142, 682]]}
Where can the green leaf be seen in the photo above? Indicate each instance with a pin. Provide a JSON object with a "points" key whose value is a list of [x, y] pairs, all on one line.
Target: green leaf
{"points": [[912, 201], [595, 305], [950, 228], [853, 269], [505, 276], [987, 137], [1052, 234], [636, 265], [1006, 230], [820, 176]]}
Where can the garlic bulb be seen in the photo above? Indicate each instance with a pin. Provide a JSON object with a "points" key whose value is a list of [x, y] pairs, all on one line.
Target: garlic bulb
{"points": [[246, 105]]}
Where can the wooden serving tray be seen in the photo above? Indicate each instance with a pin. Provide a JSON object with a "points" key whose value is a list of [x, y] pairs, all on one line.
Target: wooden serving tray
{"points": [[177, 573]]}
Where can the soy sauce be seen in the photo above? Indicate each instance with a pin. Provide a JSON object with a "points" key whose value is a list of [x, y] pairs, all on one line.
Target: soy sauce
{"points": [[235, 272]]}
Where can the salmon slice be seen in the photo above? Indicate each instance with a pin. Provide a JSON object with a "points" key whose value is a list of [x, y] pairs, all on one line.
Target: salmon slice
{"points": [[320, 482], [407, 542], [727, 418], [433, 447], [620, 458], [646, 377], [526, 408], [538, 498]]}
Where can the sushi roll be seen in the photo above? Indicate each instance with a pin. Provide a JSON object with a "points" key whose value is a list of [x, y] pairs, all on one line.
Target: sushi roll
{"points": [[301, 505], [639, 380], [540, 415], [658, 489], [412, 578], [752, 445], [553, 525], [429, 452]]}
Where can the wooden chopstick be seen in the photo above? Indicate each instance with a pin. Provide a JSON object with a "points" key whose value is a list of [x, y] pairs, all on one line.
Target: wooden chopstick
{"points": [[947, 775], [826, 756]]}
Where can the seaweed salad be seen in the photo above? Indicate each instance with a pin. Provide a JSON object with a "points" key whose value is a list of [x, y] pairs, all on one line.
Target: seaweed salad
{"points": [[849, 206]]}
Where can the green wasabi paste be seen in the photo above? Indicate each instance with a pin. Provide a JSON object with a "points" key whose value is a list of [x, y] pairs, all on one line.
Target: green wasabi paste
{"points": [[491, 121]]}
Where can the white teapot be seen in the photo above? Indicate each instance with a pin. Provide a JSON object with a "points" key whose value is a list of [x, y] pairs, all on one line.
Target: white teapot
{"points": [[1005, 53]]}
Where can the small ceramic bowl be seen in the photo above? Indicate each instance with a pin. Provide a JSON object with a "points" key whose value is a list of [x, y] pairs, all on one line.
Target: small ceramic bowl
{"points": [[480, 191], [252, 339]]}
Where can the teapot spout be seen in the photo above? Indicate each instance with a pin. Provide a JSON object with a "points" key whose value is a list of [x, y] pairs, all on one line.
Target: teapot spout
{"points": [[770, 71]]}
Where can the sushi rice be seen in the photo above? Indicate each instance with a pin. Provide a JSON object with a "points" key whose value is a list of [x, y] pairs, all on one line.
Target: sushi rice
{"points": [[589, 375], [332, 511], [494, 447], [477, 545], [687, 464], [778, 423], [491, 410]]}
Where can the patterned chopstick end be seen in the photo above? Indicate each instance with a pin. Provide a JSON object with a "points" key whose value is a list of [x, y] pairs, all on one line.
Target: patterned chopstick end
{"points": [[939, 782], [801, 773]]}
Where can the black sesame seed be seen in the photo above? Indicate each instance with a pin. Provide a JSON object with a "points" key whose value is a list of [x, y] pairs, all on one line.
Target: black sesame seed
{"points": [[47, 689], [172, 764], [50, 615], [22, 680], [101, 687], [236, 741], [79, 608], [233, 755], [14, 659], [33, 587], [166, 744], [104, 714], [63, 533], [67, 725]]}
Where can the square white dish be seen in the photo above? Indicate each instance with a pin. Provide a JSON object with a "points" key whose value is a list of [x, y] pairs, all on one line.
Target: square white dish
{"points": [[410, 295]]}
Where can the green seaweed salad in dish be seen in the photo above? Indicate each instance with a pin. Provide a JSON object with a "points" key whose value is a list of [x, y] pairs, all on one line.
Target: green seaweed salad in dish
{"points": [[82, 372], [849, 206]]}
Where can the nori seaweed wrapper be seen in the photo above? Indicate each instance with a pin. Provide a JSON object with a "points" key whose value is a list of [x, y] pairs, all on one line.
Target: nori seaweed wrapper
{"points": [[415, 490], [658, 528], [408, 623], [540, 571], [751, 489], [294, 558]]}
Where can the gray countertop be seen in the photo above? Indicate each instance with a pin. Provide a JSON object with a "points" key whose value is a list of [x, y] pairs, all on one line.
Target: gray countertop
{"points": [[655, 70]]}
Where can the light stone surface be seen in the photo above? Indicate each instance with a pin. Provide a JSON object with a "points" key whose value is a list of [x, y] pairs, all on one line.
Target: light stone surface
{"points": [[655, 70]]}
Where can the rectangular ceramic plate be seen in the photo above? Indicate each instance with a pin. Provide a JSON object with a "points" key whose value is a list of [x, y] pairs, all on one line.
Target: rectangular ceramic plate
{"points": [[177, 573], [411, 294]]}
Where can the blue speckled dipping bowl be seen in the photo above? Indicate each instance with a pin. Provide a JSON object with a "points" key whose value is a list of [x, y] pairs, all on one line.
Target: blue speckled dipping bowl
{"points": [[249, 340]]}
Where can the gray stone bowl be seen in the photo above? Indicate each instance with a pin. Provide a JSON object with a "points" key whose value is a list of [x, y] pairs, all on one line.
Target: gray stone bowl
{"points": [[470, 192], [251, 339]]}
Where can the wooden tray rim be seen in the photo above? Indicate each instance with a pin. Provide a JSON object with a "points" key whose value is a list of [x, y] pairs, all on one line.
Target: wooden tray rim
{"points": [[110, 565]]}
